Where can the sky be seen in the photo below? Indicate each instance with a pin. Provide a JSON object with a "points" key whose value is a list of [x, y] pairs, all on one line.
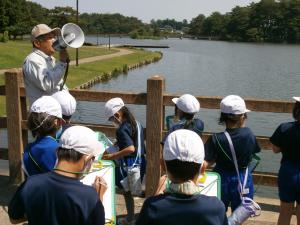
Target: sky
{"points": [[151, 9]]}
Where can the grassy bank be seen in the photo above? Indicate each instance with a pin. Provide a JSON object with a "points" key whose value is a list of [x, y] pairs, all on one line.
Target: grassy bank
{"points": [[13, 53], [85, 72]]}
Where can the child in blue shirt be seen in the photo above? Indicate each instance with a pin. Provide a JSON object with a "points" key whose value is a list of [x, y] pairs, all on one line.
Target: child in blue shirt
{"points": [[58, 197], [286, 139], [131, 149], [217, 150], [44, 121], [186, 108], [182, 202]]}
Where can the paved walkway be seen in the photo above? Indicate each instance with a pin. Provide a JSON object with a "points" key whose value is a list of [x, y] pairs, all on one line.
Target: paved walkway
{"points": [[122, 52]]}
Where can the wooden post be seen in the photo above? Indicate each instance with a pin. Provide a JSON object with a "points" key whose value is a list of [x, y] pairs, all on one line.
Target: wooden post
{"points": [[24, 117], [154, 128], [14, 126], [24, 112]]}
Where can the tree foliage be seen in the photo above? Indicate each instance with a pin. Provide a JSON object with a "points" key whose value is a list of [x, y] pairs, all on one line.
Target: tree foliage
{"points": [[18, 17], [267, 20], [169, 23], [109, 23]]}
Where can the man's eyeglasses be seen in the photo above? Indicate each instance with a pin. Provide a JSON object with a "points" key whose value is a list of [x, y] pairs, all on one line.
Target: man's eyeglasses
{"points": [[45, 37]]}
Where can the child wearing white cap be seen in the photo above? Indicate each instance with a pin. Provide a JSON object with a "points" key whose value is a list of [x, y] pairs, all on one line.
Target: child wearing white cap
{"points": [[186, 107], [58, 197], [44, 122], [67, 103], [182, 202], [217, 150], [286, 139], [68, 107], [131, 148]]}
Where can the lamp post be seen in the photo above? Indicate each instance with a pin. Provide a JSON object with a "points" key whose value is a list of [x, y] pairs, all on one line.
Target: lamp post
{"points": [[77, 24], [109, 41], [98, 28], [97, 37]]}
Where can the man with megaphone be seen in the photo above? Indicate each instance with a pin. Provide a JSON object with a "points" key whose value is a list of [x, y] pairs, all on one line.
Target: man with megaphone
{"points": [[42, 75]]}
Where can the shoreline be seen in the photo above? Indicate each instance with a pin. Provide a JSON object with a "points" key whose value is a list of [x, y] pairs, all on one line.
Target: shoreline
{"points": [[118, 71]]}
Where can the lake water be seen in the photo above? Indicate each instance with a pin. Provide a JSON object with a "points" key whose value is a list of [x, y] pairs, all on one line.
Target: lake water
{"points": [[215, 68], [212, 68]]}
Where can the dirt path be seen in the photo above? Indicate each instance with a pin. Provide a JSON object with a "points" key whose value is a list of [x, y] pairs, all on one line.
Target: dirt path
{"points": [[121, 52]]}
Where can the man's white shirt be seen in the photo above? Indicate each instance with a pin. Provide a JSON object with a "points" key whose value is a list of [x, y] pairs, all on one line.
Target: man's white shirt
{"points": [[42, 76]]}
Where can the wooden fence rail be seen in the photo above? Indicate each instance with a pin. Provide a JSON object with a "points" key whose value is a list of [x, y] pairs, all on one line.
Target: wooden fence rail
{"points": [[155, 101]]}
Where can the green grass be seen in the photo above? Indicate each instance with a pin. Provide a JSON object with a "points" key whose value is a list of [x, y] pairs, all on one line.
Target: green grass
{"points": [[13, 53], [85, 72], [77, 75]]}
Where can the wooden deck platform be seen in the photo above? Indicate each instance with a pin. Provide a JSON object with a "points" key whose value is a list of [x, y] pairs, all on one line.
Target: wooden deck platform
{"points": [[269, 203]]}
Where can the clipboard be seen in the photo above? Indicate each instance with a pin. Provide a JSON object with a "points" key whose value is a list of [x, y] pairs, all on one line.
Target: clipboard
{"points": [[211, 185], [107, 171]]}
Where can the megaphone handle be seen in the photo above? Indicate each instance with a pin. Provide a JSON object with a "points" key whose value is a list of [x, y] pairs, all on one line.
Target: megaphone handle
{"points": [[66, 75]]}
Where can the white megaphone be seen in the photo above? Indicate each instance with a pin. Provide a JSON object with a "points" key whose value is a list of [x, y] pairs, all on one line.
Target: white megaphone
{"points": [[70, 35]]}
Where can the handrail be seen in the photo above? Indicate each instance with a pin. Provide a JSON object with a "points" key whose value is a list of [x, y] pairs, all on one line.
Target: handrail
{"points": [[207, 102]]}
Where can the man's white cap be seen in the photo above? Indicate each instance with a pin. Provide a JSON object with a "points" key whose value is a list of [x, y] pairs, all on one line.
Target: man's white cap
{"points": [[66, 101], [296, 99], [42, 29], [184, 145], [47, 104], [81, 139], [187, 103], [233, 104], [112, 106]]}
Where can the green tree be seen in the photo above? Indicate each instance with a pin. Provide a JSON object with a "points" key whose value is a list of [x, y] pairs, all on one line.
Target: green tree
{"points": [[266, 16], [4, 17], [213, 25], [238, 24], [59, 16], [12, 16], [291, 11], [196, 26]]}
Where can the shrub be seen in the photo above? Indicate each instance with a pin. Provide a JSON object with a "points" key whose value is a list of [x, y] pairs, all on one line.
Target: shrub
{"points": [[125, 68], [4, 37]]}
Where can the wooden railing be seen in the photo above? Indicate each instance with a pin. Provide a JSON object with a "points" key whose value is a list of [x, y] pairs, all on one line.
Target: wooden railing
{"points": [[155, 100]]}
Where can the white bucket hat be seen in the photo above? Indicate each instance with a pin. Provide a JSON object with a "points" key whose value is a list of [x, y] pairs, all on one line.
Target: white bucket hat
{"points": [[66, 101], [42, 29], [184, 145], [233, 104], [81, 139], [47, 104], [112, 106], [187, 103], [297, 99]]}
